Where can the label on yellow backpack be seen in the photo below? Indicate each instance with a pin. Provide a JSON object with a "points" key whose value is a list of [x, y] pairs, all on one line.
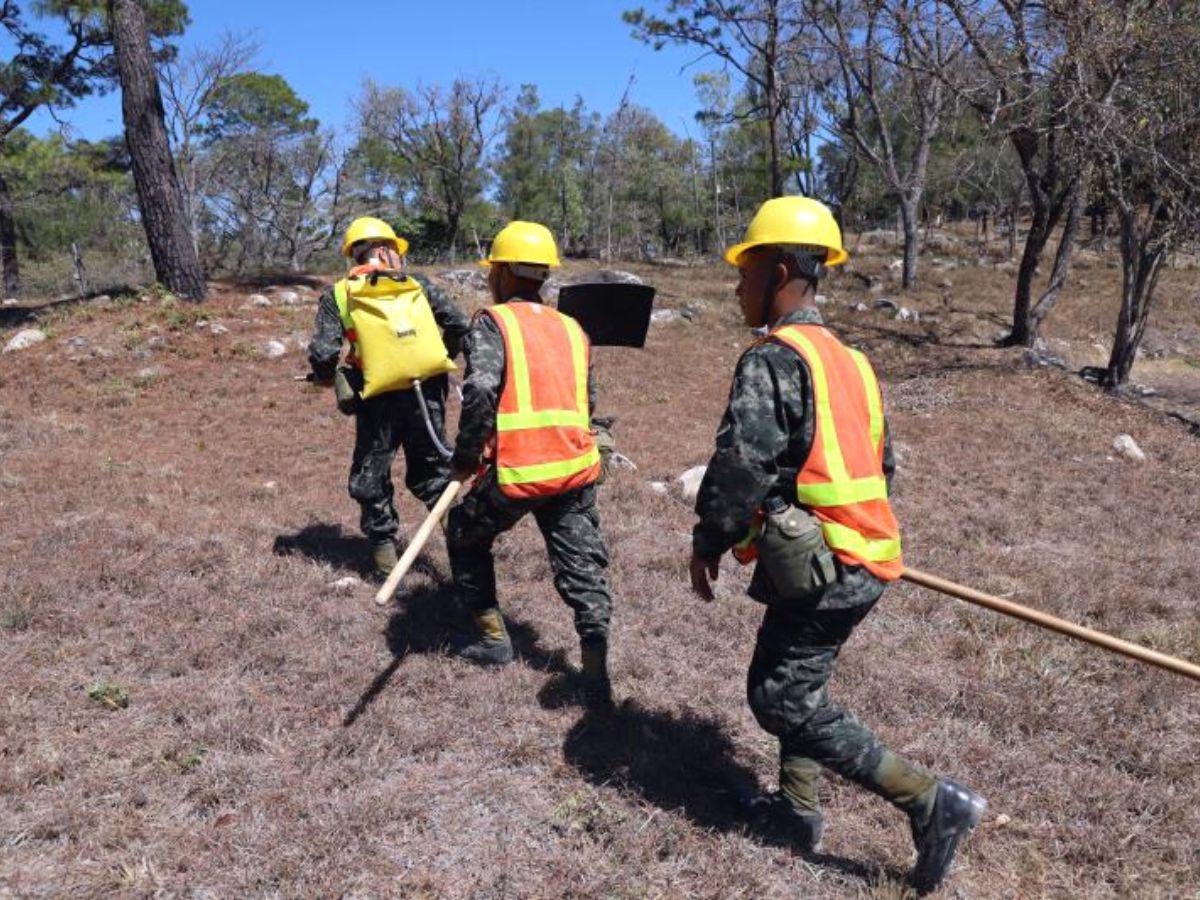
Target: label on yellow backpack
{"points": [[398, 339]]}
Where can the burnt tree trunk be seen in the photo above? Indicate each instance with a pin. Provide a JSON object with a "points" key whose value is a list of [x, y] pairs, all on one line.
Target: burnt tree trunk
{"points": [[774, 100], [160, 200], [1142, 259], [1062, 264], [8, 243], [910, 220], [1051, 194]]}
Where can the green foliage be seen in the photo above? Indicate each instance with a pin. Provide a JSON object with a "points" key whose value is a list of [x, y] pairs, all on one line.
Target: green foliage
{"points": [[253, 101], [543, 164], [15, 618], [111, 696]]}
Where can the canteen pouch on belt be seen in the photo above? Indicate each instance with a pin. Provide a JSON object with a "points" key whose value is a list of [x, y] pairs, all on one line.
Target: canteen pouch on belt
{"points": [[793, 554]]}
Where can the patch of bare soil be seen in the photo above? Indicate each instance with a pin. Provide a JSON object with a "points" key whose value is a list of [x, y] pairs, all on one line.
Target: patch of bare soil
{"points": [[191, 707]]}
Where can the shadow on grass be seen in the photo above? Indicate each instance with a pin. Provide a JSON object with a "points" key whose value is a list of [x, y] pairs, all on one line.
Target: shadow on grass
{"points": [[687, 764], [323, 542], [429, 620]]}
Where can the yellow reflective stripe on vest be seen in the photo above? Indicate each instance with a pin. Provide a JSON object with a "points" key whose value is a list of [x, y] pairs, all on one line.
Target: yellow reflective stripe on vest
{"points": [[550, 418], [548, 471], [524, 417], [874, 399], [858, 490], [839, 537], [519, 362], [579, 359], [829, 442]]}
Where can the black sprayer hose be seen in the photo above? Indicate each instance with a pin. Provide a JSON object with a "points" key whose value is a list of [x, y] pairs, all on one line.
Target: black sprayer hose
{"points": [[445, 451]]}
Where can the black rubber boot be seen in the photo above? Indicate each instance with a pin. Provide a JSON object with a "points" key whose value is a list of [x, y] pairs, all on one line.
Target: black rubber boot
{"points": [[597, 688], [775, 814], [956, 810], [491, 645]]}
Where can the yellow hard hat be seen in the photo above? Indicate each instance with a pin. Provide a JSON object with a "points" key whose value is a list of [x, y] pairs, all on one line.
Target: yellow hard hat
{"points": [[790, 222], [523, 242], [368, 228]]}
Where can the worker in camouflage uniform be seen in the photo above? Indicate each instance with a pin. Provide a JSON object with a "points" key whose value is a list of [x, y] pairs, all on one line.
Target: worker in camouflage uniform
{"points": [[528, 397], [386, 422], [800, 480]]}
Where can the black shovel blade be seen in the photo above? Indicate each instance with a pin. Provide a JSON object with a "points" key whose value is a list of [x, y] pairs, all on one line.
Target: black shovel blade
{"points": [[613, 315]]}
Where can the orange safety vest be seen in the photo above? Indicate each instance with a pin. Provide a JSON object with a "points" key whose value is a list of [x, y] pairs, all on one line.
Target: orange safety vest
{"points": [[842, 481], [544, 443]]}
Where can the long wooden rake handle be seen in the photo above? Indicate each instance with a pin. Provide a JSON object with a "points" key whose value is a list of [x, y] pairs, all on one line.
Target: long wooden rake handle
{"points": [[1053, 623], [417, 544]]}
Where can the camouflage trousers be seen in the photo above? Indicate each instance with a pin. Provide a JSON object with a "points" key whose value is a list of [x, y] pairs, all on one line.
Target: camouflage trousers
{"points": [[788, 690], [383, 425], [570, 526]]}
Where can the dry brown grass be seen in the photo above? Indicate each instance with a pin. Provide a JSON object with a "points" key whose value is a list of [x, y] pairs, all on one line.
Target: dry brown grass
{"points": [[284, 739]]}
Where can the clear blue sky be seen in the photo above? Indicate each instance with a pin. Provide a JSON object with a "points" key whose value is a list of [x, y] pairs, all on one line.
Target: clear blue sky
{"points": [[326, 51]]}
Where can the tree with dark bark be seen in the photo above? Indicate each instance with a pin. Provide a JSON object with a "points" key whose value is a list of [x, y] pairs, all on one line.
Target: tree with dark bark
{"points": [[45, 74], [11, 283], [889, 101], [1139, 92], [160, 199], [1021, 84]]}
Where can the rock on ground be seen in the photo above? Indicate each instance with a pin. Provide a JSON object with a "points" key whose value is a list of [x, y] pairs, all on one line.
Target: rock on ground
{"points": [[476, 279], [1127, 448], [24, 339], [260, 300], [274, 349], [609, 276], [657, 487], [689, 481]]}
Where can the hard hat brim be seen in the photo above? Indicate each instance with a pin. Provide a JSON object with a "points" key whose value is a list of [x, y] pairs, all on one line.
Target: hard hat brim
{"points": [[487, 263], [733, 256], [398, 243]]}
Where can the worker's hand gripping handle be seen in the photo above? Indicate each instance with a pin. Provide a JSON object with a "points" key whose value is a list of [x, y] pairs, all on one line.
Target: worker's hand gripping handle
{"points": [[417, 544]]}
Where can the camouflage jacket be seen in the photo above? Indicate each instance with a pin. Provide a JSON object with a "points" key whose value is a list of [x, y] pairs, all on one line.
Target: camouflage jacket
{"points": [[764, 439], [482, 386], [326, 346]]}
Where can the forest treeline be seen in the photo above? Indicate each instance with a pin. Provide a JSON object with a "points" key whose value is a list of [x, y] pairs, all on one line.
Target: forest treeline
{"points": [[1043, 122]]}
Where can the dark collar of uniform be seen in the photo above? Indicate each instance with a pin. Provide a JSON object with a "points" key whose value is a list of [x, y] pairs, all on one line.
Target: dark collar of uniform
{"points": [[808, 315]]}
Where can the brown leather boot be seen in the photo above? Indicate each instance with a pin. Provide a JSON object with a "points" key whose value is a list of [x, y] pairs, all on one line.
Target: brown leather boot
{"points": [[384, 558], [491, 645]]}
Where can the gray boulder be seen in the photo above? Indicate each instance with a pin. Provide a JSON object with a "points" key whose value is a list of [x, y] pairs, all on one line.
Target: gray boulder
{"points": [[609, 276], [1127, 448], [24, 339]]}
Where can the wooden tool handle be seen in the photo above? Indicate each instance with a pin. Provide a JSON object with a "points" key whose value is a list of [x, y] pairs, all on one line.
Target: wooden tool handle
{"points": [[1053, 623], [417, 544]]}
